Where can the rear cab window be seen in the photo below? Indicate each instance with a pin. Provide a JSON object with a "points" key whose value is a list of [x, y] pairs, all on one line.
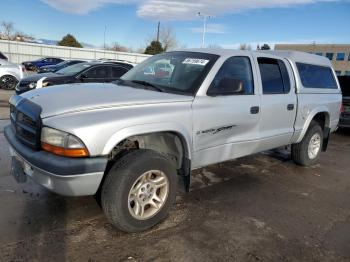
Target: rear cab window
{"points": [[274, 76], [315, 76]]}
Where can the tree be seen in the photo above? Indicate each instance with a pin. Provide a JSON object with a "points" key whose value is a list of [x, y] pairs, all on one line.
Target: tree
{"points": [[7, 29], [23, 37], [69, 40], [265, 47], [245, 47], [154, 48], [214, 46], [167, 38], [118, 47]]}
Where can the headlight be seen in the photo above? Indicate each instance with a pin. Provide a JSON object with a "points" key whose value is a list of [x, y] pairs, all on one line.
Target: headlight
{"points": [[32, 85], [62, 143]]}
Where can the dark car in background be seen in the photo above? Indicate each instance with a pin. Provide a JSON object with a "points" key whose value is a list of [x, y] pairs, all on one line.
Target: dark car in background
{"points": [[59, 66], [2, 56], [46, 61], [87, 72], [344, 120]]}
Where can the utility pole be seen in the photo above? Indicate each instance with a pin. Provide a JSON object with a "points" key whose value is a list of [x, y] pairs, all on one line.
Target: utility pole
{"points": [[205, 18], [104, 37], [158, 31]]}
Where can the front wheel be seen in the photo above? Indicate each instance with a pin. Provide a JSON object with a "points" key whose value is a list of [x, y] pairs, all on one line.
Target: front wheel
{"points": [[139, 190], [8, 82], [307, 151]]}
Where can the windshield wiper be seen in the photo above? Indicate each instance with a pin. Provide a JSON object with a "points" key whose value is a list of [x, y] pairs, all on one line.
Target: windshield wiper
{"points": [[145, 83]]}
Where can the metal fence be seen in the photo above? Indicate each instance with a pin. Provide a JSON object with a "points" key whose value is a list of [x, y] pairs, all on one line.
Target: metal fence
{"points": [[17, 52]]}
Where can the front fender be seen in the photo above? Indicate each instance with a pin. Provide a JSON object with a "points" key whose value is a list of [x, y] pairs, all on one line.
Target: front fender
{"points": [[124, 133]]}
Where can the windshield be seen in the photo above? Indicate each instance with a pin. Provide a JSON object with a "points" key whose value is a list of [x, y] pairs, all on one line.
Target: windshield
{"points": [[62, 63], [73, 69], [180, 72]]}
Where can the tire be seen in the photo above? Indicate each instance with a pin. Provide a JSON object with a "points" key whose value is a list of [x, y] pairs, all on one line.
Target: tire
{"points": [[300, 151], [137, 170], [8, 82]]}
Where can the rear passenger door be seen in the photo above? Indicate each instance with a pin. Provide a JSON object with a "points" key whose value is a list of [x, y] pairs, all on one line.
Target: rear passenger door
{"points": [[98, 74], [117, 72], [278, 102]]}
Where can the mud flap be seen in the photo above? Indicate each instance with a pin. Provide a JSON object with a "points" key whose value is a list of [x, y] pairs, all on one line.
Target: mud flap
{"points": [[185, 174], [326, 134]]}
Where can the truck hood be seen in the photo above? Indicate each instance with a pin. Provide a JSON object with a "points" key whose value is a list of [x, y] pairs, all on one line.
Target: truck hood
{"points": [[63, 99]]}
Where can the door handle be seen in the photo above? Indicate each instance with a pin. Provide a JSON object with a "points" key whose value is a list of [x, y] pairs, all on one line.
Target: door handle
{"points": [[290, 107], [254, 110]]}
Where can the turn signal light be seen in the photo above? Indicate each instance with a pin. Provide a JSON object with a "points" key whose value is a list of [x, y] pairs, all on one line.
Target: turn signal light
{"points": [[71, 152]]}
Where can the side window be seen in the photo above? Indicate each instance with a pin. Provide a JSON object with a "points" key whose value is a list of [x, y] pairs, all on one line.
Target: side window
{"points": [[97, 72], [236, 68], [274, 76], [313, 76], [118, 71]]}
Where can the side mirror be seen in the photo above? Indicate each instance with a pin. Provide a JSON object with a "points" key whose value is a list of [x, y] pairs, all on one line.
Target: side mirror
{"points": [[227, 86], [83, 76]]}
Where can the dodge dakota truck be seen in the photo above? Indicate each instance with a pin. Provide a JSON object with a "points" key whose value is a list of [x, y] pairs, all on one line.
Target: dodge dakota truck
{"points": [[131, 141]]}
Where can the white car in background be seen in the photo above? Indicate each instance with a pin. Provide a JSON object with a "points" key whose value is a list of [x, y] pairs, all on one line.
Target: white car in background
{"points": [[10, 74]]}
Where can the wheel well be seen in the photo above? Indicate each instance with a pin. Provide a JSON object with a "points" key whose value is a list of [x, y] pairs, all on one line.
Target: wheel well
{"points": [[170, 144], [323, 119]]}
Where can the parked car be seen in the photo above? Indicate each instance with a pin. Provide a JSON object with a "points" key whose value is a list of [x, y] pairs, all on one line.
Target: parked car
{"points": [[131, 142], [3, 57], [59, 66], [344, 82], [37, 64], [10, 74], [87, 72]]}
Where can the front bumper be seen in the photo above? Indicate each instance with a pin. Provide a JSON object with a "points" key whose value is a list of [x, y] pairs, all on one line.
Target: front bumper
{"points": [[62, 175]]}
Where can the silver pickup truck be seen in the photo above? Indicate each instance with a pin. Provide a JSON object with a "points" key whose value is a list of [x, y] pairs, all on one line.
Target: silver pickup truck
{"points": [[131, 141]]}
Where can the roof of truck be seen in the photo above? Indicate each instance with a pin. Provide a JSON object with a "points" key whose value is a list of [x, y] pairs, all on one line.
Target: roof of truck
{"points": [[295, 56]]}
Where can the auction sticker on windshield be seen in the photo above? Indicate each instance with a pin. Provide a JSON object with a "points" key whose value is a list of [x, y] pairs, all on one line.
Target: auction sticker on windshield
{"points": [[195, 61]]}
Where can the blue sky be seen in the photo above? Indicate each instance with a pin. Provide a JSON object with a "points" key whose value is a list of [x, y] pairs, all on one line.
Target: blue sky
{"points": [[132, 22]]}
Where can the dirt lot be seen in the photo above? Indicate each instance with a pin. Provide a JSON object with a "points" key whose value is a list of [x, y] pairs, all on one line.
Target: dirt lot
{"points": [[258, 208]]}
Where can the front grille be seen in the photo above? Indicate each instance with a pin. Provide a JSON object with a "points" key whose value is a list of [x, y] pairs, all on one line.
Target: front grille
{"points": [[24, 83], [26, 122]]}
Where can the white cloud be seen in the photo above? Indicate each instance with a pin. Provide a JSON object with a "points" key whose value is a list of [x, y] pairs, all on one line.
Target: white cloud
{"points": [[185, 10], [82, 7], [178, 9], [211, 29]]}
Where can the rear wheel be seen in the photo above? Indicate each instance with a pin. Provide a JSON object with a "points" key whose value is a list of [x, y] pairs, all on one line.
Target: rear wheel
{"points": [[8, 82], [307, 152], [139, 190]]}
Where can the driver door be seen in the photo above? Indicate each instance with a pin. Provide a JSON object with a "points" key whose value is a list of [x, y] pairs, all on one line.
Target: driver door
{"points": [[226, 125]]}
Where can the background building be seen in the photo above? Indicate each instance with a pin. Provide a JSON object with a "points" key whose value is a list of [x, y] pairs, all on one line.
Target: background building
{"points": [[338, 54]]}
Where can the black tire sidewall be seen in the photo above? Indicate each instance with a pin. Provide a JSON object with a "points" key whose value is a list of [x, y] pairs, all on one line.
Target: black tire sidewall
{"points": [[6, 86], [122, 176]]}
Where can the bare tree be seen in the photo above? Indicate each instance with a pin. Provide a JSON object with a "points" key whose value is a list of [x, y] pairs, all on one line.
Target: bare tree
{"points": [[7, 29], [23, 37], [118, 47], [214, 46], [245, 47], [167, 38]]}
